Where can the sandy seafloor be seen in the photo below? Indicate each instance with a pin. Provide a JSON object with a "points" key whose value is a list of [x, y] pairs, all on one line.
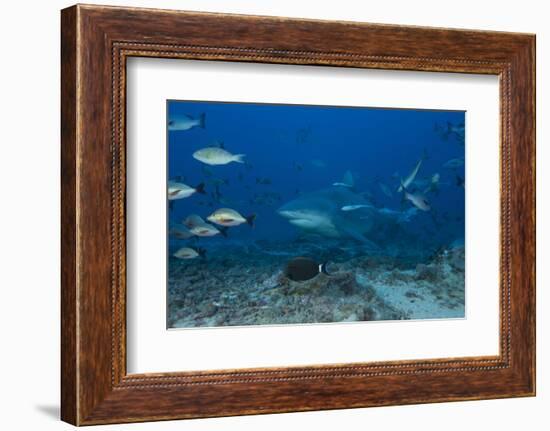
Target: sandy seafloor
{"points": [[241, 284]]}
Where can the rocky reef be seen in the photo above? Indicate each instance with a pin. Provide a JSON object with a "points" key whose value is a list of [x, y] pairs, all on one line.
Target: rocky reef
{"points": [[246, 285]]}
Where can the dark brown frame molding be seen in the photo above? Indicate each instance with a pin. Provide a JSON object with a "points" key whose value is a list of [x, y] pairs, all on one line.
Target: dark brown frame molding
{"points": [[96, 42]]}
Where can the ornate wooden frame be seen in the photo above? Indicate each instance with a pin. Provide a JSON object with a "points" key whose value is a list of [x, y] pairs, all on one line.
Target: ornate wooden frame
{"points": [[96, 41]]}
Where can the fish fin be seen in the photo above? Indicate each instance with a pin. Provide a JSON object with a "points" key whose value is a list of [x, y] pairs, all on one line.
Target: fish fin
{"points": [[223, 230], [358, 236], [171, 205], [200, 189], [323, 268], [348, 179], [402, 187], [250, 219], [202, 121], [239, 158], [201, 252]]}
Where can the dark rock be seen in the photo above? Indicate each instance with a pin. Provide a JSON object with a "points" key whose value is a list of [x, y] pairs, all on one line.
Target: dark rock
{"points": [[427, 272], [208, 311]]}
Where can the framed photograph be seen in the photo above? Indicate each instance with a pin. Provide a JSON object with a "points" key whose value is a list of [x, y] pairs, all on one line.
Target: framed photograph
{"points": [[285, 220]]}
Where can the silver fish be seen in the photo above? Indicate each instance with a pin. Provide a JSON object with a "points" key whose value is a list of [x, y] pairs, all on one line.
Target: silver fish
{"points": [[418, 200], [355, 207], [197, 226], [189, 253], [205, 230], [229, 217], [185, 122], [217, 156], [180, 232], [180, 191], [434, 184]]}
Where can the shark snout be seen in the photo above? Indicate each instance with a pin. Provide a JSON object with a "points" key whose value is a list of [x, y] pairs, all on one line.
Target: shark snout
{"points": [[286, 213]]}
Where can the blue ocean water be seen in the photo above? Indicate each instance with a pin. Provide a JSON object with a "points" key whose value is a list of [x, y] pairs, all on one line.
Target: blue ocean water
{"points": [[297, 153], [299, 149]]}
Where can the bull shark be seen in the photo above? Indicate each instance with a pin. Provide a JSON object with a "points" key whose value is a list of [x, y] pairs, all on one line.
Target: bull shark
{"points": [[320, 212]]}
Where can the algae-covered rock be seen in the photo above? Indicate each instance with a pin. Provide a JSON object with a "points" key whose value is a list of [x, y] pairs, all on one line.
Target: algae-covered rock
{"points": [[456, 258], [344, 282], [427, 272]]}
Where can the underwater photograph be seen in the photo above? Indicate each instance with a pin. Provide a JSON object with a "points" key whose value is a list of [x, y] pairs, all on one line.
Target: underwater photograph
{"points": [[302, 214]]}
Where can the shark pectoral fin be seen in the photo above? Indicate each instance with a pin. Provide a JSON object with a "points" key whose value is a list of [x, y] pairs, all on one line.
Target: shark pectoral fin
{"points": [[371, 245], [358, 236]]}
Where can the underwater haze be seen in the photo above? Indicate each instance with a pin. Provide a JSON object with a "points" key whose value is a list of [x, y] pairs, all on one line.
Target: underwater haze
{"points": [[295, 214]]}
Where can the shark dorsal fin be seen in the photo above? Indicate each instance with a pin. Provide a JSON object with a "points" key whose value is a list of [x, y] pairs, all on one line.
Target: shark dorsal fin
{"points": [[348, 179]]}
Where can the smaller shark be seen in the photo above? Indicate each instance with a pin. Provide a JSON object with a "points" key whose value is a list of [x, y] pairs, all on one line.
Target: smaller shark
{"points": [[407, 181]]}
